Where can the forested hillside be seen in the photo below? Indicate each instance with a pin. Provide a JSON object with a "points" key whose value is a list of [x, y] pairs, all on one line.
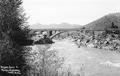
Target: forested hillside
{"points": [[105, 22]]}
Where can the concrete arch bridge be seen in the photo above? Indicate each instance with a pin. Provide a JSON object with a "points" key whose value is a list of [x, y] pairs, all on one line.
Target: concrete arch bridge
{"points": [[51, 34]]}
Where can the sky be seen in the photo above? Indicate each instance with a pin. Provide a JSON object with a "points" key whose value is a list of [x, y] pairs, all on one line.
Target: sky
{"points": [[68, 11]]}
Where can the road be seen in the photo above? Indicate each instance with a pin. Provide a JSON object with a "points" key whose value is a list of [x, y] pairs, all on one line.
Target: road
{"points": [[89, 61]]}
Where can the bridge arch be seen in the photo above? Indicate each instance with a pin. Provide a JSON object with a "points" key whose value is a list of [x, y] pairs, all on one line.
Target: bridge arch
{"points": [[58, 33]]}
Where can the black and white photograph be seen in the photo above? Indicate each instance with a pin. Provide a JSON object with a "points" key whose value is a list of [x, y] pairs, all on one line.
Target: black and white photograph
{"points": [[59, 37]]}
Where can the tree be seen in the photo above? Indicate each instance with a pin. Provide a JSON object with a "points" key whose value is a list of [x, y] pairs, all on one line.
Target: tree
{"points": [[115, 28], [13, 32], [43, 61]]}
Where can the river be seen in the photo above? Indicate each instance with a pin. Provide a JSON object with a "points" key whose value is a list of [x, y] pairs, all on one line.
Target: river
{"points": [[89, 61], [93, 62]]}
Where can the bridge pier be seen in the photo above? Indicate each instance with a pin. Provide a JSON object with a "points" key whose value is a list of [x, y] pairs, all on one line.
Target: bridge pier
{"points": [[50, 32]]}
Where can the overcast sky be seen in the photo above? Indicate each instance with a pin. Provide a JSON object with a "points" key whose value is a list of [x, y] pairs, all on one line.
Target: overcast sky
{"points": [[69, 11]]}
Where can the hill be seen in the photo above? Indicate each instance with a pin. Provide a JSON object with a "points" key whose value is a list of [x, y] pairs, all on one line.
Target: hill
{"points": [[105, 22], [62, 26]]}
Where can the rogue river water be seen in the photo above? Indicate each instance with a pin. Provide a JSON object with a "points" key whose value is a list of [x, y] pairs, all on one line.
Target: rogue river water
{"points": [[89, 61], [94, 62]]}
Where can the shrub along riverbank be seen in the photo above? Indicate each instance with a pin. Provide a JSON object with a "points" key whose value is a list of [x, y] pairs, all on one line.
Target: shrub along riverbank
{"points": [[94, 39]]}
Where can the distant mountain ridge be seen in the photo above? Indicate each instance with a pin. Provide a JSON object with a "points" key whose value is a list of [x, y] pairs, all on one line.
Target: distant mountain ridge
{"points": [[104, 22], [56, 26], [99, 24]]}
